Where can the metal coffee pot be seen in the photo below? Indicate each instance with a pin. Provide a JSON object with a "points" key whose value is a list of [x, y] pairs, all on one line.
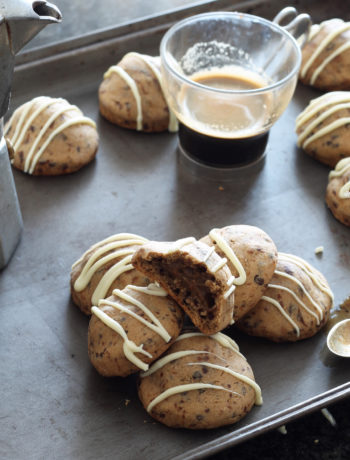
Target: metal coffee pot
{"points": [[20, 21]]}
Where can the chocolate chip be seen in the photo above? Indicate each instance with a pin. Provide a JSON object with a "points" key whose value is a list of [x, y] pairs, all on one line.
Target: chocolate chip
{"points": [[258, 280], [197, 375]]}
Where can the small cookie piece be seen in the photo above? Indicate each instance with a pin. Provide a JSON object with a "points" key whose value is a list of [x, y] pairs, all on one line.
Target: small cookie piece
{"points": [[323, 128], [338, 191], [131, 329], [201, 382], [195, 277], [252, 259], [51, 137], [295, 306], [103, 267], [132, 96], [326, 56]]}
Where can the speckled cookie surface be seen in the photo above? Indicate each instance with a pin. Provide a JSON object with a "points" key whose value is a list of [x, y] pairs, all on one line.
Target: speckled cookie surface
{"points": [[131, 329], [323, 128], [295, 306], [194, 276], [104, 267], [131, 95], [338, 191], [256, 253], [201, 382], [51, 137], [326, 56]]}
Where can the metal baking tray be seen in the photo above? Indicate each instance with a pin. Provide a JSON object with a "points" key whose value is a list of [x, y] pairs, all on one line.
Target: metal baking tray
{"points": [[54, 404]]}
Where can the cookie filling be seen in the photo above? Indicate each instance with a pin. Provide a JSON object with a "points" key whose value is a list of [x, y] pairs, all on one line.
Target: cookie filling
{"points": [[190, 283]]}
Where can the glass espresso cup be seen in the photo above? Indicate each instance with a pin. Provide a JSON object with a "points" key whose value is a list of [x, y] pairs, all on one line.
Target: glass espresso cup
{"points": [[228, 77]]}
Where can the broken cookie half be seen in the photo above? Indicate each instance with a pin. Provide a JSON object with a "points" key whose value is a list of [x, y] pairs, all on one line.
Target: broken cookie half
{"points": [[195, 276]]}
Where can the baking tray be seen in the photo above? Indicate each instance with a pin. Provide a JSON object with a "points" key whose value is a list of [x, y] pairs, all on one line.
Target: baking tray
{"points": [[54, 404]]}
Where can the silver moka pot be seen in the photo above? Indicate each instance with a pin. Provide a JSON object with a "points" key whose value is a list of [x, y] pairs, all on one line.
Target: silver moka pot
{"points": [[20, 21]]}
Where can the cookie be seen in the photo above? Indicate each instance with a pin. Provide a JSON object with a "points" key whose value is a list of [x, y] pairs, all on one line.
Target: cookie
{"points": [[338, 191], [51, 137], [326, 56], [323, 128], [131, 329], [252, 258], [194, 276], [132, 96], [105, 266], [295, 306], [201, 382]]}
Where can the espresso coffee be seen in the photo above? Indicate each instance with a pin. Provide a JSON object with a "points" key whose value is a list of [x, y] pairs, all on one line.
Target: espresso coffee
{"points": [[221, 128]]}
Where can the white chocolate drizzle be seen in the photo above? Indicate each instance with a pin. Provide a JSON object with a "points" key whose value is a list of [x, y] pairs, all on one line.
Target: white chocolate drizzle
{"points": [[155, 325], [342, 27], [303, 265], [151, 289], [322, 107], [116, 246], [342, 167], [25, 121], [179, 244], [223, 339], [169, 358], [150, 62], [183, 388], [129, 347], [283, 313]]}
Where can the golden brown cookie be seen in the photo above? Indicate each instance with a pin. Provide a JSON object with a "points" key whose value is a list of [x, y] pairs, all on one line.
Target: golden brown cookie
{"points": [[323, 128], [131, 329], [104, 267], [131, 95], [51, 137], [194, 276], [252, 258], [338, 191], [326, 56], [201, 382], [295, 306]]}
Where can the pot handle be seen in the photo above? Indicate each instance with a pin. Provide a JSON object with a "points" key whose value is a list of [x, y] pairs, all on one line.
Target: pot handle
{"points": [[296, 24]]}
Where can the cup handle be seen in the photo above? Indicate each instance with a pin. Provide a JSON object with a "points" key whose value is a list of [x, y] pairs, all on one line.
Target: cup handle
{"points": [[296, 24]]}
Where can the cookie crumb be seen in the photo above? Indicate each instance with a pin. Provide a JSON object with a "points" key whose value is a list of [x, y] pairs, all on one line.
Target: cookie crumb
{"points": [[319, 250], [127, 401], [282, 429], [316, 441], [221, 188], [328, 416]]}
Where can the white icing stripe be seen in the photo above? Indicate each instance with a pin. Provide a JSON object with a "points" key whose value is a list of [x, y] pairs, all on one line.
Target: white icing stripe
{"points": [[296, 298], [344, 192], [169, 358], [41, 134], [284, 313], [310, 271], [229, 292], [134, 89], [327, 39], [173, 123], [243, 378], [330, 58], [295, 280], [110, 276], [327, 129], [219, 265], [159, 328], [221, 338], [98, 259], [110, 239], [151, 289], [340, 169], [323, 116], [231, 256], [321, 103], [182, 388], [23, 112], [179, 244], [129, 347], [209, 253]]}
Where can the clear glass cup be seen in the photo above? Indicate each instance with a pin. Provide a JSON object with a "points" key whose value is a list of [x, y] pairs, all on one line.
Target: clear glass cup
{"points": [[228, 78]]}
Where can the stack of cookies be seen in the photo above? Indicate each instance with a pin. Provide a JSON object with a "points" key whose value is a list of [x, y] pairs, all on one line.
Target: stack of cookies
{"points": [[141, 293]]}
